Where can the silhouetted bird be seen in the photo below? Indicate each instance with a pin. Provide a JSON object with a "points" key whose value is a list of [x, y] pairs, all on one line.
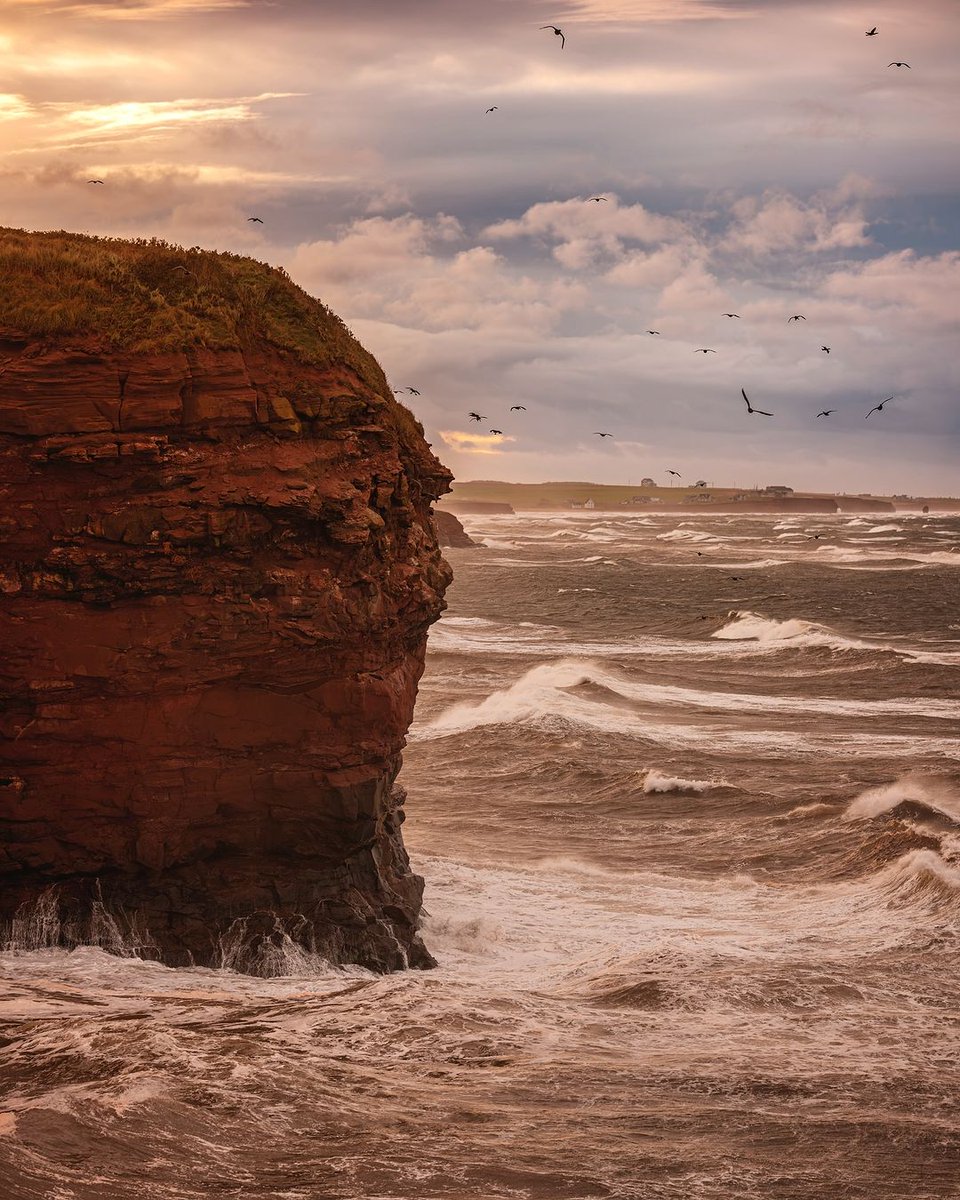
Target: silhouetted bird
{"points": [[654, 331], [517, 408], [796, 317], [595, 434], [669, 472], [737, 315], [825, 412], [825, 349], [492, 109], [597, 199], [256, 220], [95, 181], [879, 407], [700, 483], [558, 32], [500, 431], [871, 32], [704, 351], [898, 64], [412, 391], [752, 410], [475, 417]]}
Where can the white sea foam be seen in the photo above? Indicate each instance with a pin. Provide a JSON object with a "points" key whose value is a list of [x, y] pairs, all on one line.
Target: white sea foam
{"points": [[687, 535], [796, 633], [751, 626], [929, 791], [655, 782], [573, 693]]}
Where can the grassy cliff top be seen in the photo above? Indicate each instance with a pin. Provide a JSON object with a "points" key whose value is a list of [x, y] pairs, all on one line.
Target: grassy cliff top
{"points": [[149, 295]]}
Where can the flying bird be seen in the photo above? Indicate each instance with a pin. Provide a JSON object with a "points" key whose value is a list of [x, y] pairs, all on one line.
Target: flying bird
{"points": [[704, 351], [879, 407], [752, 410], [825, 412], [669, 472], [518, 408], [654, 331], [871, 32], [500, 431], [700, 483], [412, 391], [95, 181], [737, 315], [256, 220], [796, 317], [492, 109], [596, 199], [185, 271], [899, 64], [596, 434], [825, 349], [558, 32], [475, 416]]}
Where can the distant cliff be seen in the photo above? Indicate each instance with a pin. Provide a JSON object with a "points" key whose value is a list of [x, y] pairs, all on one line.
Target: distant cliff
{"points": [[217, 571], [451, 533]]}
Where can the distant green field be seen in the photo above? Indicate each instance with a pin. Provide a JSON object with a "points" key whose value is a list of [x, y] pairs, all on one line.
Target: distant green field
{"points": [[561, 495]]}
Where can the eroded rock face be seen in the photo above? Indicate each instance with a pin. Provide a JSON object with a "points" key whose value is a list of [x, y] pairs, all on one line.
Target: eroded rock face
{"points": [[217, 572]]}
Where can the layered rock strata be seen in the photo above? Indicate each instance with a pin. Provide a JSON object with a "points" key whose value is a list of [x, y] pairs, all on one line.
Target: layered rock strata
{"points": [[217, 571]]}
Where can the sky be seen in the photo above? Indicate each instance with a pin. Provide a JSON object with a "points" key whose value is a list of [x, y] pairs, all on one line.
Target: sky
{"points": [[754, 156]]}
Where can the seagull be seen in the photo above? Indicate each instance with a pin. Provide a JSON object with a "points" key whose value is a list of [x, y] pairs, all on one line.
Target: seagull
{"points": [[700, 483], [879, 407], [518, 408], [899, 64], [493, 109], [871, 32], [475, 416], [825, 349], [669, 472], [256, 220], [412, 391], [596, 199], [737, 315], [558, 32], [95, 181], [596, 434], [825, 412], [654, 331], [704, 351], [797, 317], [500, 431], [754, 410]]}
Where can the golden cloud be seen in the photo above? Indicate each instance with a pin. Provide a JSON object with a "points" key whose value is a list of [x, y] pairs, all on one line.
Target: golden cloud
{"points": [[474, 443]]}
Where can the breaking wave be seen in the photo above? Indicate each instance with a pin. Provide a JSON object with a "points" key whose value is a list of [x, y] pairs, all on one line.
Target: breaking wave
{"points": [[933, 793]]}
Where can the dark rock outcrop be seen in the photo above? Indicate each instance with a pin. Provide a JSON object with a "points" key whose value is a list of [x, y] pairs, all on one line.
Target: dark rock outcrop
{"points": [[217, 571], [451, 533]]}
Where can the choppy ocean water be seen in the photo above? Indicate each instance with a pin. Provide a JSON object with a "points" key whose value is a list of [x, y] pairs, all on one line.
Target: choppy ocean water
{"points": [[686, 794]]}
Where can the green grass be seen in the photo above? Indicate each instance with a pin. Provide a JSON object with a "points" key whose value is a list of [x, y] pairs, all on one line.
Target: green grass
{"points": [[131, 296]]}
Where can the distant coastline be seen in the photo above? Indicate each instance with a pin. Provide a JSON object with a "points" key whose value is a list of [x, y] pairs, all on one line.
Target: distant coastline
{"points": [[496, 496]]}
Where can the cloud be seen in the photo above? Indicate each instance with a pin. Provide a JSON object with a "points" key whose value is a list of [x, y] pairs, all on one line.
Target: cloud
{"points": [[474, 443]]}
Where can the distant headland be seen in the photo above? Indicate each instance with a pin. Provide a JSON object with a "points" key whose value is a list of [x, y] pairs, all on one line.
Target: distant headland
{"points": [[493, 496]]}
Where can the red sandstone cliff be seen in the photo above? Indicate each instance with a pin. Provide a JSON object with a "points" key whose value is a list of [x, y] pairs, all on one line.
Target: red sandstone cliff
{"points": [[217, 572]]}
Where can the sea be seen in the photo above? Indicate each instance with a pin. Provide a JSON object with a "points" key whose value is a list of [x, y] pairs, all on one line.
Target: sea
{"points": [[685, 789]]}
